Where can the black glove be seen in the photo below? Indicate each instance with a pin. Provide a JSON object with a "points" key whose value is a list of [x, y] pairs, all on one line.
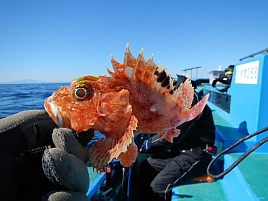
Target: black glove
{"points": [[36, 164]]}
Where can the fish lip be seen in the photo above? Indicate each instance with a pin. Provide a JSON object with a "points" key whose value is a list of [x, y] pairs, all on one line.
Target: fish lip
{"points": [[56, 114]]}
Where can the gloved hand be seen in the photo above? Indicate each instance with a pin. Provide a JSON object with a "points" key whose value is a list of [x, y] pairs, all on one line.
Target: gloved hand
{"points": [[145, 147], [38, 159]]}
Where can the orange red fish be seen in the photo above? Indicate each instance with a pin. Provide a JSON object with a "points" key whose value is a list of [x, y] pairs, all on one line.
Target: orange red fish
{"points": [[138, 97]]}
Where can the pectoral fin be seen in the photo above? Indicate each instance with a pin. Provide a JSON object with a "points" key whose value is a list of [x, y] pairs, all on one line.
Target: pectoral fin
{"points": [[128, 158], [99, 154], [104, 150]]}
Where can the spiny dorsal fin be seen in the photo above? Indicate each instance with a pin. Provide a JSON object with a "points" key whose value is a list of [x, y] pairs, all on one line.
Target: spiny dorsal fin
{"points": [[142, 66], [150, 74]]}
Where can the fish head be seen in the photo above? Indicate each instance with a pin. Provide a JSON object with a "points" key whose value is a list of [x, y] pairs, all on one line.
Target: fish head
{"points": [[69, 105], [88, 103]]}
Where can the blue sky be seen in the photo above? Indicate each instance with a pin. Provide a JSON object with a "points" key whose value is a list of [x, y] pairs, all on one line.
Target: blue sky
{"points": [[58, 40]]}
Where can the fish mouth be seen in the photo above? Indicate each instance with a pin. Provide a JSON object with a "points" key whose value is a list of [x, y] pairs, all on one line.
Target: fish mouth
{"points": [[56, 115]]}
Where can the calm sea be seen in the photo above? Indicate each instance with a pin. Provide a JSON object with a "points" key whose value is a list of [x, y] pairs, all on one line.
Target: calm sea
{"points": [[19, 97]]}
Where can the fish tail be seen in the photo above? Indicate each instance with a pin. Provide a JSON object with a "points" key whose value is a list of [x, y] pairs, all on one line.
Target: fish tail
{"points": [[197, 108], [184, 95]]}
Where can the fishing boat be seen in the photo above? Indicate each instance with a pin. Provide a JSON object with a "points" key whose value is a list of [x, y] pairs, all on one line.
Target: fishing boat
{"points": [[239, 170]]}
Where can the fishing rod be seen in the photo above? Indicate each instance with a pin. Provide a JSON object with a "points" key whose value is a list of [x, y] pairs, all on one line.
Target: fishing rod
{"points": [[241, 158]]}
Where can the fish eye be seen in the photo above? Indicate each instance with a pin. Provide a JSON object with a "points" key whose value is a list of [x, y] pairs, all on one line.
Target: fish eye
{"points": [[81, 93]]}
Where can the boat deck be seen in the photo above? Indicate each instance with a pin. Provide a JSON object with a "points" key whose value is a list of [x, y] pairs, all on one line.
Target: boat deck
{"points": [[245, 182], [199, 191], [96, 180]]}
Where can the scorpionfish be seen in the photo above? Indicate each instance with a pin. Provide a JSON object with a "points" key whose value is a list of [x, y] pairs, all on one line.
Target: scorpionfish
{"points": [[138, 97]]}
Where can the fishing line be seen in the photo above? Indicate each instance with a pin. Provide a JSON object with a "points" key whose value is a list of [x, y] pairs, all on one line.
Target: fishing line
{"points": [[128, 187], [241, 158], [123, 178]]}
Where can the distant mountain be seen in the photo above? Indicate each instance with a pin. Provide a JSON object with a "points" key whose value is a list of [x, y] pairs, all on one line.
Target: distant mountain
{"points": [[25, 81]]}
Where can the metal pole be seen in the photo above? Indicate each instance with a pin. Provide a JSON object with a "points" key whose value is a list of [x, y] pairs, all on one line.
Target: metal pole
{"points": [[252, 55]]}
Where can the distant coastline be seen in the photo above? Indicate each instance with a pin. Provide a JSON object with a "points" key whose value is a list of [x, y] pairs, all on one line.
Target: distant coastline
{"points": [[28, 81]]}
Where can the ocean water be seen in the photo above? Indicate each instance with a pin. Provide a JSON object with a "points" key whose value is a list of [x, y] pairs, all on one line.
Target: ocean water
{"points": [[15, 98]]}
